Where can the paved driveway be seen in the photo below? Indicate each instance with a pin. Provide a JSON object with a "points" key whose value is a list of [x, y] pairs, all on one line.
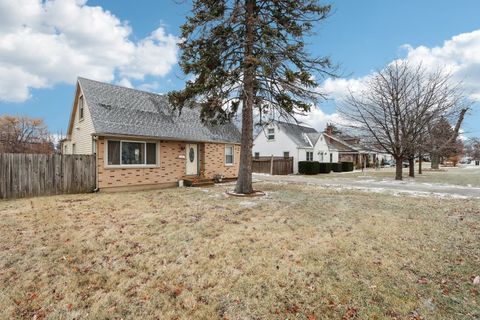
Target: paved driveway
{"points": [[392, 186]]}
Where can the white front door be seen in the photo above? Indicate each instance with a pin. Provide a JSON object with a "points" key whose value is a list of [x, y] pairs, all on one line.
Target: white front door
{"points": [[191, 158]]}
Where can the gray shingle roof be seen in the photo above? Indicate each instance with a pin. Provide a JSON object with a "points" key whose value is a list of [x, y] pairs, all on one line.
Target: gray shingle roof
{"points": [[314, 137], [297, 133], [338, 144], [117, 110]]}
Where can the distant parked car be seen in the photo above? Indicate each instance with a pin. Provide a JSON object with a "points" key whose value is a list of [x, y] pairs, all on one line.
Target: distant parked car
{"points": [[406, 164], [390, 163]]}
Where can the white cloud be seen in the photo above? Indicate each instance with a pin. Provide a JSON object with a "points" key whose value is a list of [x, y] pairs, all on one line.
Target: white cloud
{"points": [[318, 119], [154, 55], [124, 82], [339, 88], [43, 43], [149, 86], [459, 55]]}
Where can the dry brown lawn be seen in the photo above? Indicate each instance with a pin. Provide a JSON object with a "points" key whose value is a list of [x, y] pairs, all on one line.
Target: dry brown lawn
{"points": [[301, 252]]}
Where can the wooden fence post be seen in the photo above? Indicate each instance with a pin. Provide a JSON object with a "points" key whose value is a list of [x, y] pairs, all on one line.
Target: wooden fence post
{"points": [[271, 165]]}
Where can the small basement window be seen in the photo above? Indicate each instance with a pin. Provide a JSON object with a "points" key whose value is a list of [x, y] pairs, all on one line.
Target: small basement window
{"points": [[228, 154], [126, 153], [309, 155], [271, 134]]}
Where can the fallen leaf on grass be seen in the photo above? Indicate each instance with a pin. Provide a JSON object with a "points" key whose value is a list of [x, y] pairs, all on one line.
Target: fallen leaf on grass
{"points": [[293, 308], [415, 316], [350, 314]]}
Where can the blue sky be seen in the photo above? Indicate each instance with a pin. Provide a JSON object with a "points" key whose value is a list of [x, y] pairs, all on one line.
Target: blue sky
{"points": [[131, 43]]}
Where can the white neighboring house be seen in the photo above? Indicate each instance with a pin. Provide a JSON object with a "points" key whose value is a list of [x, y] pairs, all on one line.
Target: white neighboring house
{"points": [[282, 139]]}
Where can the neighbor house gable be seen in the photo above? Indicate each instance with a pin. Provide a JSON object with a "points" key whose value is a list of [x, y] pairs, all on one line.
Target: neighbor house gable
{"points": [[282, 142]]}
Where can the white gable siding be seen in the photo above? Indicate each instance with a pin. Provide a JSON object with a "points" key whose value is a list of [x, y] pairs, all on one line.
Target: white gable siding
{"points": [[82, 130], [321, 147], [282, 143]]}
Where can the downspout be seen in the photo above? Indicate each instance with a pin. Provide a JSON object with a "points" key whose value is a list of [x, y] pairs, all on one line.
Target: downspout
{"points": [[95, 138]]}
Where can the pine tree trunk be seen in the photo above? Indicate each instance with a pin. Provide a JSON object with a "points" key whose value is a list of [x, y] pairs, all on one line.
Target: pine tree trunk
{"points": [[411, 167], [435, 161], [244, 181], [399, 168]]}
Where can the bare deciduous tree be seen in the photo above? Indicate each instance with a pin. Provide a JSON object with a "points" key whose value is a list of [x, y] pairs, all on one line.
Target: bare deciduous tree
{"points": [[399, 104], [22, 134]]}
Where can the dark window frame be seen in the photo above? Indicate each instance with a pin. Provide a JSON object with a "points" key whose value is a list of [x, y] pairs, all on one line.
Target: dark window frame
{"points": [[309, 155], [81, 108], [145, 157], [270, 135]]}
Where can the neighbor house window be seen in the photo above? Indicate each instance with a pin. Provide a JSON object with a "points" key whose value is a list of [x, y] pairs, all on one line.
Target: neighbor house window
{"points": [[73, 148], [271, 134], [228, 154], [80, 108], [131, 153], [309, 155], [286, 154], [257, 155]]}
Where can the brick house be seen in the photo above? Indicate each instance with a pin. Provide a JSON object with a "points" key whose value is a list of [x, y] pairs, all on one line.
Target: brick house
{"points": [[140, 142]]}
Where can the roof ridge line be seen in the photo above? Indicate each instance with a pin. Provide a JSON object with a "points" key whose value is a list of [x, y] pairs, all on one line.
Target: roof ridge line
{"points": [[123, 87], [295, 124]]}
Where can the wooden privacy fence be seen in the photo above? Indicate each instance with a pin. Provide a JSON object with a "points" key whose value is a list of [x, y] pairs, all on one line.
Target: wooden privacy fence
{"points": [[273, 165], [29, 175]]}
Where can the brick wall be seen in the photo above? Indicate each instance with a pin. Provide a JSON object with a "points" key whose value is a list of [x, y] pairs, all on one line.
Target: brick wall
{"points": [[171, 167], [215, 160]]}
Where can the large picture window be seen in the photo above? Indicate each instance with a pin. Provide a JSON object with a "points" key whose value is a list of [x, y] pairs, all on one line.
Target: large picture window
{"points": [[127, 153], [228, 154]]}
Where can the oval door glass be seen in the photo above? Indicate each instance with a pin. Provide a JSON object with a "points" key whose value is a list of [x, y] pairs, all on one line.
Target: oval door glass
{"points": [[191, 154]]}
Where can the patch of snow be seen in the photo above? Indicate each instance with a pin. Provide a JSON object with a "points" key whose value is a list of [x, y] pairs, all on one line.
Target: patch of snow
{"points": [[397, 192]]}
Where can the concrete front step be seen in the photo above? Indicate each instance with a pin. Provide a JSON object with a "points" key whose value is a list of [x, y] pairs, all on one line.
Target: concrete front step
{"points": [[198, 182]]}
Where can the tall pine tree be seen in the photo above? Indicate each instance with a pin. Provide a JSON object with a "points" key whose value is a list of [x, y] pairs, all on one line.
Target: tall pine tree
{"points": [[250, 54]]}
